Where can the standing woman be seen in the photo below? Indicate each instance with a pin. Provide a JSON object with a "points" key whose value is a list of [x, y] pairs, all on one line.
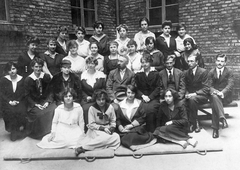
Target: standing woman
{"points": [[67, 123], [83, 45], [101, 126], [156, 55], [165, 42], [101, 38], [147, 82], [172, 121], [122, 39], [190, 49], [61, 40], [13, 101], [130, 122], [24, 60], [40, 108], [143, 34]]}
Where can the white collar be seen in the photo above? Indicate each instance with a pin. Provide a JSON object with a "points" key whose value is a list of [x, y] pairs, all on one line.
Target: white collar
{"points": [[48, 53], [151, 69], [194, 70], [124, 105], [222, 69], [169, 70], [17, 79], [34, 77], [162, 35], [74, 105]]}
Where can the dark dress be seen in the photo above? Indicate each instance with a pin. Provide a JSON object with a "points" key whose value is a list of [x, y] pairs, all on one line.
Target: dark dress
{"points": [[60, 50], [157, 57], [161, 45], [137, 135], [58, 84], [177, 131], [24, 67], [36, 91], [109, 64], [102, 44], [13, 116], [149, 86], [53, 64]]}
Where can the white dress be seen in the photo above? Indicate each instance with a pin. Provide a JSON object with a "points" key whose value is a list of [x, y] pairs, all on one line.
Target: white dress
{"points": [[140, 38], [68, 125]]}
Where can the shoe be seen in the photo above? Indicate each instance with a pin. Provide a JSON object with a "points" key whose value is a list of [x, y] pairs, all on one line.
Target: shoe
{"points": [[198, 128], [79, 150], [224, 123], [184, 144], [215, 133], [192, 141]]}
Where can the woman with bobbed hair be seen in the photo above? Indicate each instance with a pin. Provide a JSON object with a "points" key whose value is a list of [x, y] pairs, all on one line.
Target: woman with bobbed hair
{"points": [[122, 39], [24, 60], [101, 38], [62, 35], [147, 83], [165, 42], [143, 34], [172, 121], [83, 45], [13, 102], [40, 107], [67, 123], [190, 49]]}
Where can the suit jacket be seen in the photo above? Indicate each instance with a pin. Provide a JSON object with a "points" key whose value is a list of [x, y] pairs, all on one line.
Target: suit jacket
{"points": [[199, 84], [179, 79], [60, 50], [114, 81], [148, 85], [224, 84], [163, 47]]}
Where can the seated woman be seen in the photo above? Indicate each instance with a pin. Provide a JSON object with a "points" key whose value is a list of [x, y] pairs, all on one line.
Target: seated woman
{"points": [[172, 121], [147, 82], [40, 108], [130, 122], [190, 49], [101, 126], [157, 56], [67, 123], [13, 102]]}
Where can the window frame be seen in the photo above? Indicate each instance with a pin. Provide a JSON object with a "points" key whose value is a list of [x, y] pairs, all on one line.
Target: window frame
{"points": [[89, 30], [6, 12], [163, 14]]}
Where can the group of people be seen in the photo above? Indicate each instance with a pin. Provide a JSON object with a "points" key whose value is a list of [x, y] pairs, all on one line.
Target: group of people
{"points": [[99, 94]]}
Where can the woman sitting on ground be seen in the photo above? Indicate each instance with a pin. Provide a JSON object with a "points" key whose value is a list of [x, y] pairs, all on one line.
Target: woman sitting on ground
{"points": [[131, 120], [101, 126], [67, 123], [172, 121]]}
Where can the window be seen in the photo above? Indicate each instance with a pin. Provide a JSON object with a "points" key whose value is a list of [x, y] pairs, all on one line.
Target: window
{"points": [[160, 10], [4, 11], [84, 12]]}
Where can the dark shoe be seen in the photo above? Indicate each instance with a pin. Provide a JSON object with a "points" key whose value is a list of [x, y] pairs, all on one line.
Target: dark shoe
{"points": [[198, 128], [79, 150], [224, 123], [215, 133]]}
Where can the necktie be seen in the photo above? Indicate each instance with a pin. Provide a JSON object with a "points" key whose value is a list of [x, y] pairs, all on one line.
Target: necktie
{"points": [[170, 76], [191, 74], [220, 74]]}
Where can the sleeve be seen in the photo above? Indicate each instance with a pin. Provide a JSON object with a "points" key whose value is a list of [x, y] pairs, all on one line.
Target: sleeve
{"points": [[109, 86], [155, 93], [91, 119], [230, 83], [20, 64], [118, 115], [78, 89], [55, 120], [80, 119], [161, 65], [182, 86], [141, 119], [28, 92], [159, 121], [183, 121], [210, 82], [137, 81], [205, 87], [3, 90], [200, 60], [112, 118]]}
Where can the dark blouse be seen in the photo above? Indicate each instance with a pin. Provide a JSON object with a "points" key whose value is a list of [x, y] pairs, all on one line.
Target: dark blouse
{"points": [[103, 45], [109, 64]]}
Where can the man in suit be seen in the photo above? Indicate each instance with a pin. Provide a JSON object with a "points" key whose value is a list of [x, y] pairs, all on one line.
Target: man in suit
{"points": [[221, 85], [197, 90], [119, 78], [173, 78]]}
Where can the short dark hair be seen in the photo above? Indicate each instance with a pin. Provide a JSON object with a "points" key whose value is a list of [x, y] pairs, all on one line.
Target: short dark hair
{"points": [[9, 65], [92, 60], [165, 59], [131, 42], [221, 56], [94, 42], [51, 39], [143, 19], [113, 43], [146, 57], [32, 39], [99, 93], [80, 29], [149, 39], [181, 25], [37, 60], [167, 23], [173, 92], [132, 88], [190, 40], [97, 23], [70, 44], [62, 28], [66, 91], [122, 26]]}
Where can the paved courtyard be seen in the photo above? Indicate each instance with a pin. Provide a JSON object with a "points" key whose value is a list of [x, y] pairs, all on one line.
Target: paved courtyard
{"points": [[229, 158]]}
